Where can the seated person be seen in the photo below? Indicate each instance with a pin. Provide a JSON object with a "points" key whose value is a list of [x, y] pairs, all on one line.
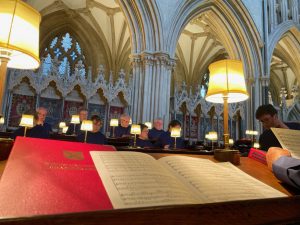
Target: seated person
{"points": [[166, 141], [75, 128], [267, 114], [142, 140], [94, 136], [157, 129], [123, 130], [285, 168], [40, 128]]}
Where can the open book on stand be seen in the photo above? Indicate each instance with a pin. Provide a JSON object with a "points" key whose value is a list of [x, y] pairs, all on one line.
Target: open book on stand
{"points": [[289, 139], [133, 179]]}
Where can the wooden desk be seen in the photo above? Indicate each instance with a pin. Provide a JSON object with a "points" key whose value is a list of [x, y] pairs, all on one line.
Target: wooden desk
{"points": [[264, 211]]}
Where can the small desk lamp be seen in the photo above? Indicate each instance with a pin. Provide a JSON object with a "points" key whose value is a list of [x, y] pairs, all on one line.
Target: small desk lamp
{"points": [[135, 129], [149, 125], [175, 133], [213, 136], [226, 85], [26, 121], [252, 133], [114, 123], [75, 120], [2, 120], [61, 126], [256, 145], [16, 49], [65, 129], [86, 125]]}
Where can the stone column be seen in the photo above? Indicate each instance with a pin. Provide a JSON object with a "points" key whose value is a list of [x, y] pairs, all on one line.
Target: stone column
{"points": [[151, 86]]}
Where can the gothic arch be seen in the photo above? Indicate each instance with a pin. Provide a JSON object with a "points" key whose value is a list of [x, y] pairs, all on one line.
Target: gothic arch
{"points": [[283, 28], [245, 39]]}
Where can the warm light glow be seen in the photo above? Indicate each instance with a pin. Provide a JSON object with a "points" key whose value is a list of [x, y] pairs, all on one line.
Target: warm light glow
{"points": [[130, 121], [62, 124], [75, 119], [213, 135], [86, 125], [175, 132], [226, 78], [19, 34], [135, 129], [231, 141], [26, 120], [251, 132], [65, 129], [114, 122], [2, 121], [256, 145], [149, 125]]}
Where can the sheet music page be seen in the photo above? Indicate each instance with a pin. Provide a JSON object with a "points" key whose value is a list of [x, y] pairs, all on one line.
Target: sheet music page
{"points": [[289, 139], [134, 179], [217, 182]]}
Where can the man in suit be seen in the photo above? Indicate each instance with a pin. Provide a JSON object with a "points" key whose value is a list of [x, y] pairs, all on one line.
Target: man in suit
{"points": [[157, 129], [267, 115], [83, 114], [284, 167], [95, 136], [41, 129], [123, 130]]}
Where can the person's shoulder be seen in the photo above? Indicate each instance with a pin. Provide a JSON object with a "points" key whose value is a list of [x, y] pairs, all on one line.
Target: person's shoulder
{"points": [[293, 125]]}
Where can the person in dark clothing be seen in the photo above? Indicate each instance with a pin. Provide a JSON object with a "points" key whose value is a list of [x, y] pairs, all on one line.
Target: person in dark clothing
{"points": [[166, 141], [123, 130], [41, 129], [267, 114], [95, 136], [75, 129], [142, 140], [157, 129]]}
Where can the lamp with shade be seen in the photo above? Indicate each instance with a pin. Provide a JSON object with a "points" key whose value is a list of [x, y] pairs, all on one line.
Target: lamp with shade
{"points": [[252, 133], [226, 85], [61, 126], [26, 121], [212, 136], [175, 133], [135, 129], [65, 129], [86, 125], [16, 49], [75, 120], [114, 123], [2, 121], [149, 125]]}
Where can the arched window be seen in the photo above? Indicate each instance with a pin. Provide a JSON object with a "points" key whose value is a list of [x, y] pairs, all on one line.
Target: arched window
{"points": [[67, 51], [204, 85]]}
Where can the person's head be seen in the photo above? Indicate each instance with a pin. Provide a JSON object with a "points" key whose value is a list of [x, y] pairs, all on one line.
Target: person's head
{"points": [[174, 124], [83, 114], [124, 120], [41, 114], [144, 132], [96, 123], [267, 114], [158, 124]]}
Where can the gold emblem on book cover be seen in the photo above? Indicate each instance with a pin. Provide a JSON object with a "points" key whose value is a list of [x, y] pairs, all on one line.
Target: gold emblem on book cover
{"points": [[73, 155]]}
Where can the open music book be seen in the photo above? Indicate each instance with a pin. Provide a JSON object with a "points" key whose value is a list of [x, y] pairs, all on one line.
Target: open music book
{"points": [[289, 139], [134, 179]]}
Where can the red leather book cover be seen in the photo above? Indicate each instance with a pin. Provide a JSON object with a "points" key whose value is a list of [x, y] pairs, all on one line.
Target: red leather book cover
{"points": [[258, 155], [51, 177]]}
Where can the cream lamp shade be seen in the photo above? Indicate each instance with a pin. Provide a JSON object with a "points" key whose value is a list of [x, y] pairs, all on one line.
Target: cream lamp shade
{"points": [[2, 120], [26, 120], [231, 141], [114, 122], [75, 119], [135, 129], [148, 124], [213, 135], [86, 125], [19, 34], [256, 145], [65, 129], [175, 132], [62, 124], [226, 78]]}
